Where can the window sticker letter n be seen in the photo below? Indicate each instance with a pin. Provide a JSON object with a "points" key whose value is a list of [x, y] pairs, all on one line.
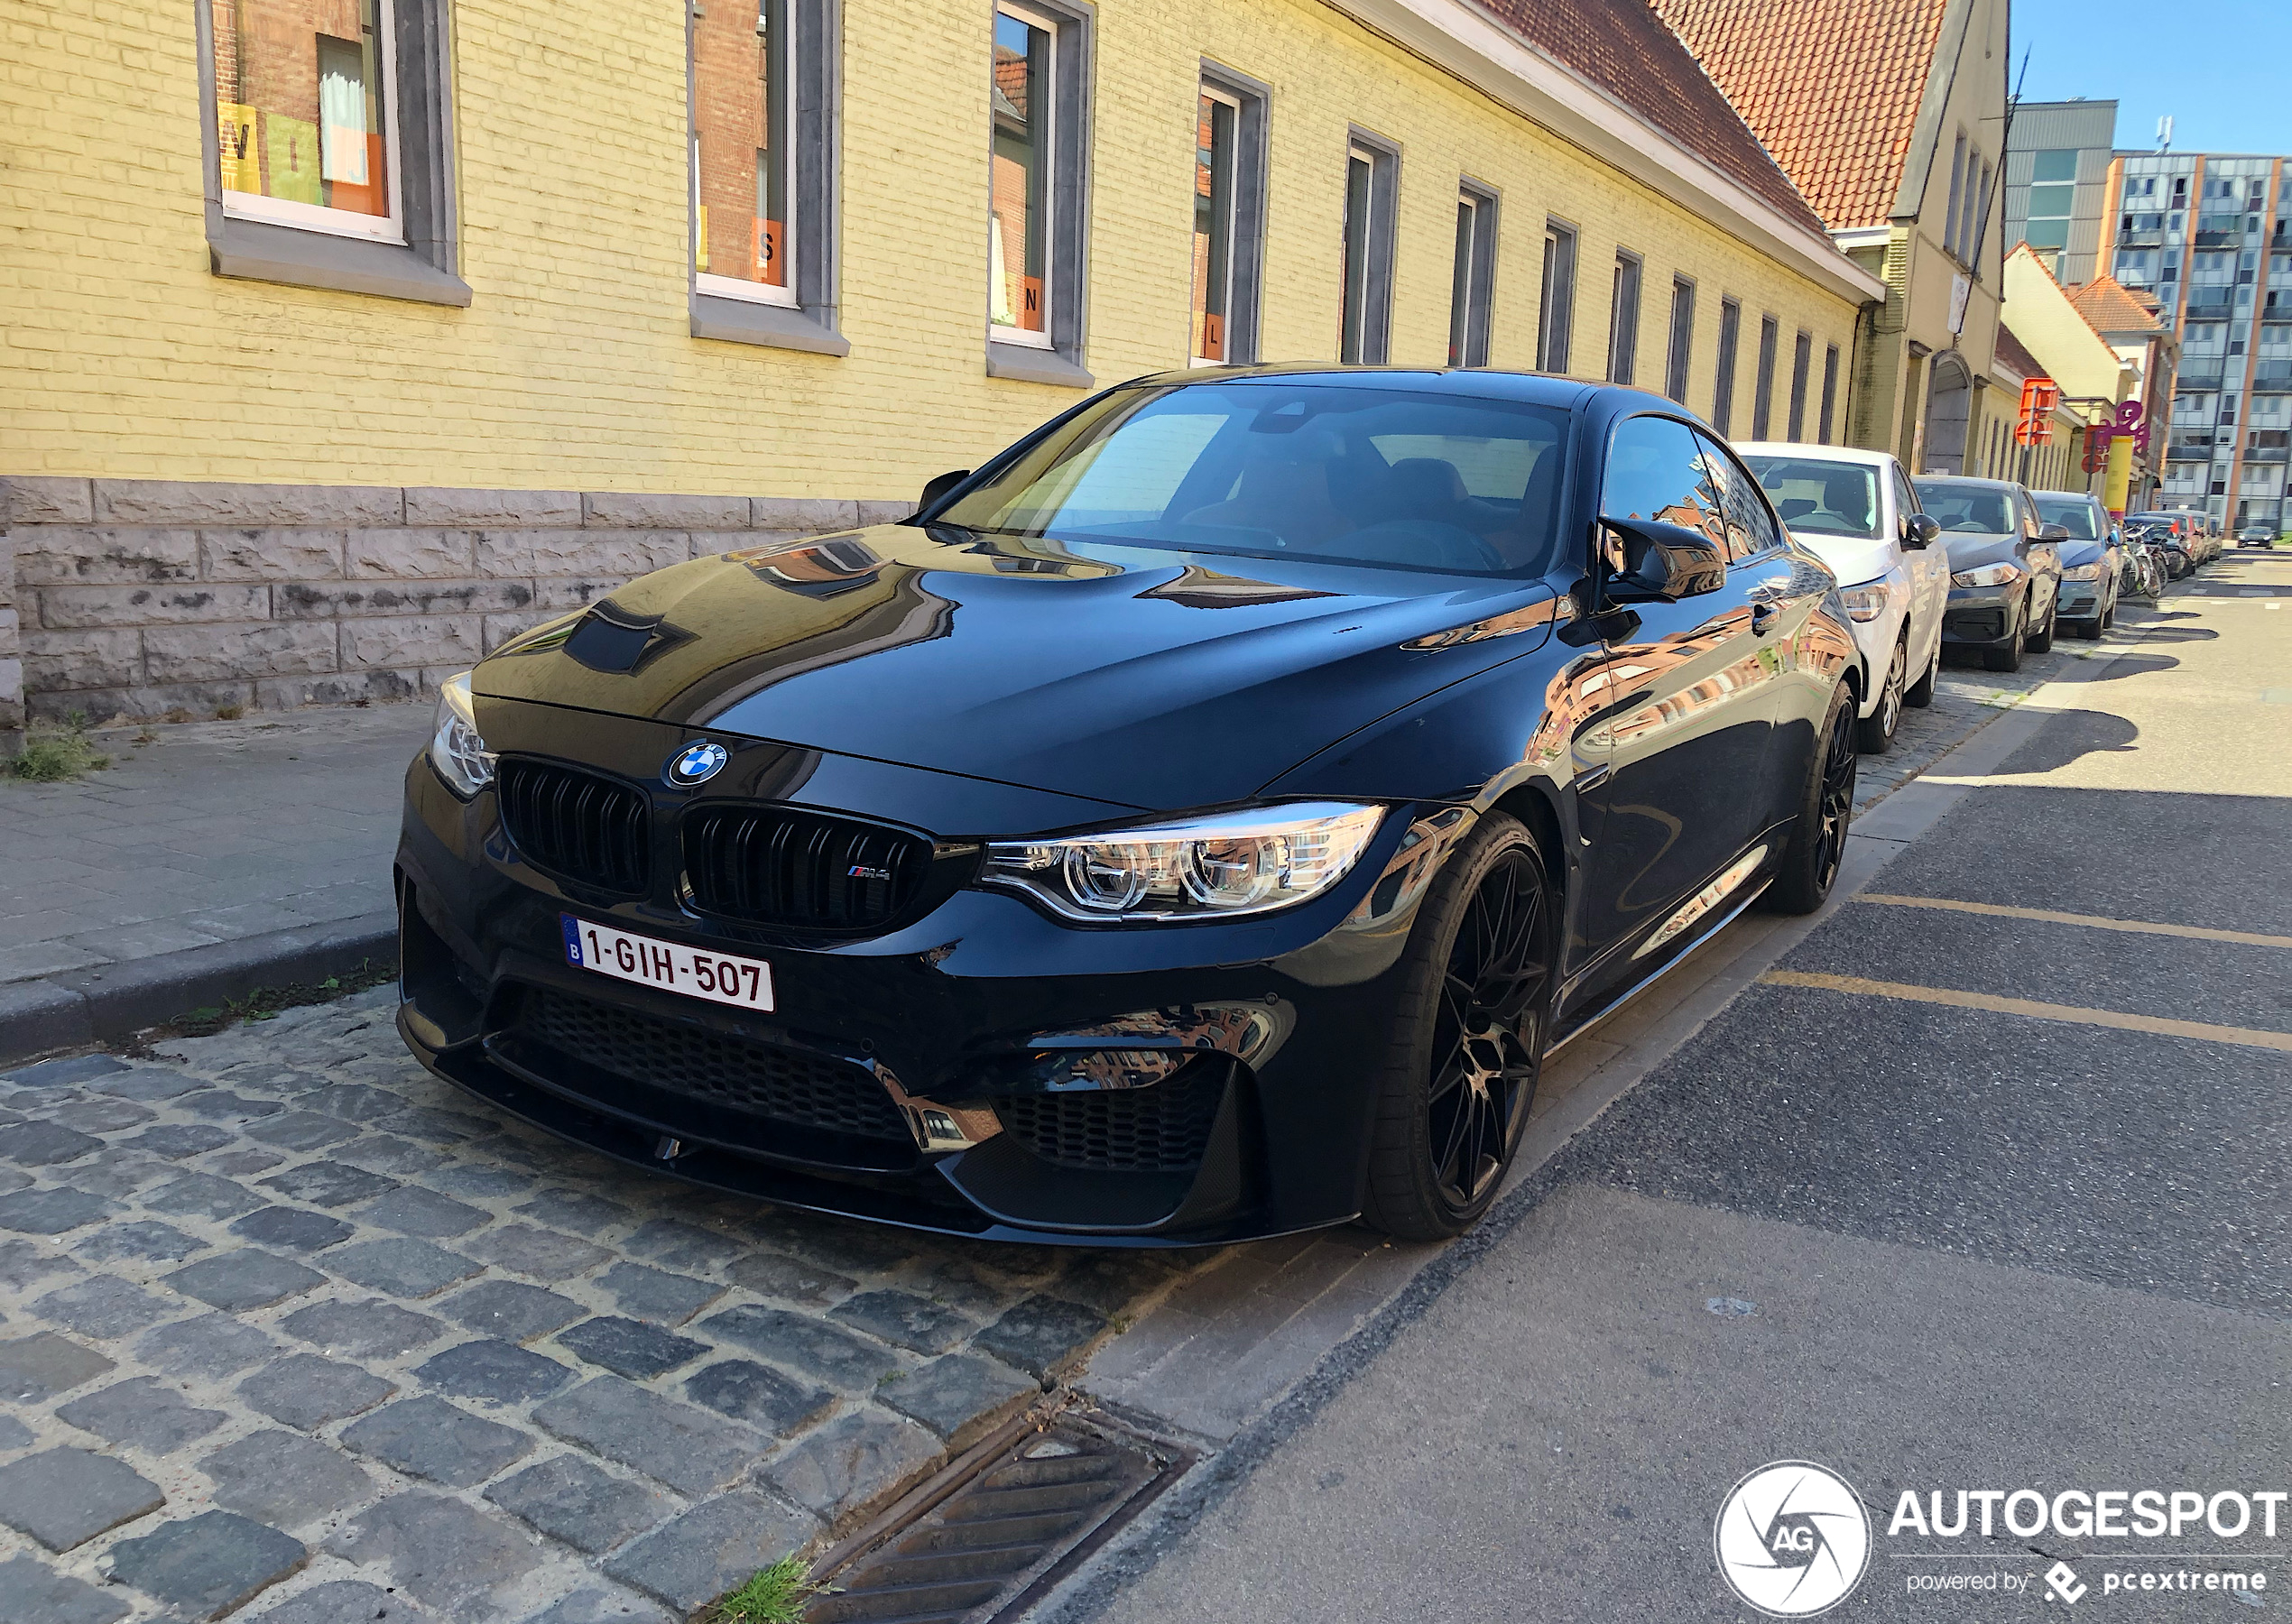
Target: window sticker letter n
{"points": [[1792, 1539]]}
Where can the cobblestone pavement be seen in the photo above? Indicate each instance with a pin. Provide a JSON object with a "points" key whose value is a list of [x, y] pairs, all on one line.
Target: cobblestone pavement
{"points": [[292, 1332], [212, 832]]}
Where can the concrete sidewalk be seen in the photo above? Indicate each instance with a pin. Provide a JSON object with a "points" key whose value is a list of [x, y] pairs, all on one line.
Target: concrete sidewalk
{"points": [[209, 858]]}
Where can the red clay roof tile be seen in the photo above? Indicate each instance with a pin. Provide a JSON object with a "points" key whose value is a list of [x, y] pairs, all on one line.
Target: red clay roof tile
{"points": [[1832, 89]]}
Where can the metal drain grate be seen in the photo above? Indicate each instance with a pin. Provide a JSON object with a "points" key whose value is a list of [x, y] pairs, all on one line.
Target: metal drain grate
{"points": [[977, 1549]]}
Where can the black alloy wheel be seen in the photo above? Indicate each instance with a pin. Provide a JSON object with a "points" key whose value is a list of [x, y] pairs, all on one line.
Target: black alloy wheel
{"points": [[2009, 659], [1817, 844], [1469, 1034], [1489, 1039], [2042, 643], [1874, 733]]}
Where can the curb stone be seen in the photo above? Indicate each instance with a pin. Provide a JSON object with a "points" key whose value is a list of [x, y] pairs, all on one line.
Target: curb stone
{"points": [[114, 1001]]}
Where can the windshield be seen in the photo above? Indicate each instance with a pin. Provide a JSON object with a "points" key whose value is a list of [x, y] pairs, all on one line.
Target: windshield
{"points": [[1820, 498], [1980, 509], [1267, 468], [2072, 513]]}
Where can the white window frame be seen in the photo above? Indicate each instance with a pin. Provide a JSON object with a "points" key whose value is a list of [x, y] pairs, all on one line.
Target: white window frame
{"points": [[343, 222], [1211, 92], [1047, 153], [734, 287]]}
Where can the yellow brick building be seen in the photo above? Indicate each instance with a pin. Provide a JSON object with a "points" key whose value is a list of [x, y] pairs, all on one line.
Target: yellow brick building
{"points": [[233, 442]]}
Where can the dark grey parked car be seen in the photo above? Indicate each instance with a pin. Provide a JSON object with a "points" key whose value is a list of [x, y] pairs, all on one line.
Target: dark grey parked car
{"points": [[2005, 568], [2090, 560]]}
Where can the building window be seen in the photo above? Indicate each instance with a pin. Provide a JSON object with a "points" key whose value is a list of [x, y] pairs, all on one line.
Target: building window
{"points": [[1723, 387], [1802, 356], [1957, 194], [763, 191], [1623, 318], [1977, 190], [1556, 308], [1019, 248], [1371, 187], [1472, 280], [1683, 333], [305, 114], [323, 132], [1830, 390], [1217, 133], [1035, 241], [1762, 399]]}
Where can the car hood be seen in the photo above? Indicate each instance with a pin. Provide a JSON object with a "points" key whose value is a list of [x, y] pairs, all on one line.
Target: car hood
{"points": [[1854, 559], [1970, 548], [2081, 552], [1150, 679]]}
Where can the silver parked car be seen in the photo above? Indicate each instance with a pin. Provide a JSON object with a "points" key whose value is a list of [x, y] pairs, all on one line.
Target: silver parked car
{"points": [[1855, 511]]}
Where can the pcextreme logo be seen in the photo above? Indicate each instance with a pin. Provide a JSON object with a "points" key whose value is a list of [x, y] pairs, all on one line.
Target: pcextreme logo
{"points": [[1792, 1539]]}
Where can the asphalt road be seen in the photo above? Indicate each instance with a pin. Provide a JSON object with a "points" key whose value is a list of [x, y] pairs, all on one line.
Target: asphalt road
{"points": [[1869, 1219]]}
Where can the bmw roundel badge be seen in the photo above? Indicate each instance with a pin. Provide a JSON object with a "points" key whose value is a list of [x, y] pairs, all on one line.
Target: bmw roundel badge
{"points": [[695, 763]]}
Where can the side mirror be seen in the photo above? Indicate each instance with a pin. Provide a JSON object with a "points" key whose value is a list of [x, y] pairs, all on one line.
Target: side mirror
{"points": [[938, 486], [2053, 532], [1648, 561], [1921, 531]]}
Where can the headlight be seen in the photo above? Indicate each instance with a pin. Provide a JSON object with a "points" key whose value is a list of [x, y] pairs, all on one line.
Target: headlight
{"points": [[1867, 603], [1216, 866], [456, 750], [2081, 572], [1988, 574]]}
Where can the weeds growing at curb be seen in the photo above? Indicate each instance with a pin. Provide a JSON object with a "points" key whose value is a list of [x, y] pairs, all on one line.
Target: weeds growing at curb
{"points": [[773, 1595], [264, 1003], [58, 758]]}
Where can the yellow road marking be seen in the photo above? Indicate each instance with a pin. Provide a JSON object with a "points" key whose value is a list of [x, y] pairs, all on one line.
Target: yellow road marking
{"points": [[2244, 1035], [2247, 937]]}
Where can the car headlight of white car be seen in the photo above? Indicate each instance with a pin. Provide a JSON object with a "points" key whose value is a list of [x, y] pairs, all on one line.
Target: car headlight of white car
{"points": [[1988, 574], [1214, 866], [1868, 601], [455, 748]]}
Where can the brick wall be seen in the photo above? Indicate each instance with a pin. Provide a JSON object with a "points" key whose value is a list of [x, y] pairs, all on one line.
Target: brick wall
{"points": [[137, 597]]}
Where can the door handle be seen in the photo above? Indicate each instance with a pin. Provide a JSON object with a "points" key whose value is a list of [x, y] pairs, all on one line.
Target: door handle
{"points": [[1762, 616]]}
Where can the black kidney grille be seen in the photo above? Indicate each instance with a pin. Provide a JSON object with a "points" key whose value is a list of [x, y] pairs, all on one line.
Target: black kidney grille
{"points": [[787, 1086], [774, 866], [1162, 1129], [578, 825]]}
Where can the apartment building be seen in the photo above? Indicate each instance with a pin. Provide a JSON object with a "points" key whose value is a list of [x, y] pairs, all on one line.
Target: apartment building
{"points": [[2057, 182], [2207, 234], [350, 336]]}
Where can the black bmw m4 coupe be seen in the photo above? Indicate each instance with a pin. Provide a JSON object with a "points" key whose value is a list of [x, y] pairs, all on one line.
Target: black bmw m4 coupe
{"points": [[1198, 823]]}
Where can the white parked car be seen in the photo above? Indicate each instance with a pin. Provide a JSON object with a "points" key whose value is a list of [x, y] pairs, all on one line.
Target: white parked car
{"points": [[1855, 511]]}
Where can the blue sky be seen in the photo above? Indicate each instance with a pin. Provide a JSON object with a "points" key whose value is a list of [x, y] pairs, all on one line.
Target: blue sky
{"points": [[2219, 67]]}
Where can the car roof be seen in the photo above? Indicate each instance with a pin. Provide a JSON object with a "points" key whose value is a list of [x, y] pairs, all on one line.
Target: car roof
{"points": [[1541, 389], [1837, 454], [2085, 496], [1965, 479]]}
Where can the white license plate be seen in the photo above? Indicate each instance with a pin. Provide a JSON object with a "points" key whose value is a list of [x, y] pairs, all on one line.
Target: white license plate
{"points": [[744, 983]]}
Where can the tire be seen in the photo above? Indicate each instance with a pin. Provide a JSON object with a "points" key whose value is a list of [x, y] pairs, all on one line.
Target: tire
{"points": [[1920, 693], [1874, 733], [1475, 1015], [2042, 643], [2008, 659], [1817, 841]]}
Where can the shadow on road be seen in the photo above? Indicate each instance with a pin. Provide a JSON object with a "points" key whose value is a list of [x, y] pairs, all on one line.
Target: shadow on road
{"points": [[2071, 736]]}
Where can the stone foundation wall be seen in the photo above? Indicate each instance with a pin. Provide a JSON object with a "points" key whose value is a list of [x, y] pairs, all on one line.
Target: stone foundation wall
{"points": [[142, 597]]}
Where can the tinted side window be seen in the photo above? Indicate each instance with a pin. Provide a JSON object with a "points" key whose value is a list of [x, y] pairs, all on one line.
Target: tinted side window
{"points": [[1657, 470], [1750, 524]]}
